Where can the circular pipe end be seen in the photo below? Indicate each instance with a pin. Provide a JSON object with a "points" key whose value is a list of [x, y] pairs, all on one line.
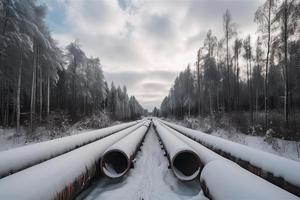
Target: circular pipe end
{"points": [[115, 163], [186, 165]]}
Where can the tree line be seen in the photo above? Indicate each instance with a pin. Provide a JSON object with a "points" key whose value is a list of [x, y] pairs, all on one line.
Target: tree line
{"points": [[258, 75], [37, 77]]}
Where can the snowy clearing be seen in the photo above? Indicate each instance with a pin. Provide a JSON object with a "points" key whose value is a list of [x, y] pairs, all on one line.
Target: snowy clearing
{"points": [[150, 179]]}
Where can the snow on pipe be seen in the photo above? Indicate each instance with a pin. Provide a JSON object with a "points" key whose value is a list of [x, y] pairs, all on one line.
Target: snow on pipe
{"points": [[65, 175], [223, 180], [184, 162], [223, 170], [278, 170], [118, 158], [206, 155], [17, 159]]}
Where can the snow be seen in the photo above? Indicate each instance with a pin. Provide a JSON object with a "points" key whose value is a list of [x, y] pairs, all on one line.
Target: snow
{"points": [[279, 166], [174, 146], [43, 181], [19, 158], [127, 146], [280, 147], [242, 184], [150, 179]]}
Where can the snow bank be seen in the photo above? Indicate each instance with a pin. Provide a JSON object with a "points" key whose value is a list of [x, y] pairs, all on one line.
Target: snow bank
{"points": [[19, 158], [48, 179], [116, 160], [183, 159], [223, 181], [272, 165]]}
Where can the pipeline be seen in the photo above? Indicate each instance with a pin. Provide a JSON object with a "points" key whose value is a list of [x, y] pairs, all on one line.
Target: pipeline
{"points": [[183, 160], [217, 170], [17, 159], [223, 180], [205, 155], [278, 170], [66, 174], [118, 158]]}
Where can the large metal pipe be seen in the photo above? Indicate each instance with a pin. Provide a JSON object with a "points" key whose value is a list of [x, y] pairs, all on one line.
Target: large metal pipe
{"points": [[278, 170], [223, 180], [65, 175], [17, 159], [183, 160], [117, 159], [206, 155]]}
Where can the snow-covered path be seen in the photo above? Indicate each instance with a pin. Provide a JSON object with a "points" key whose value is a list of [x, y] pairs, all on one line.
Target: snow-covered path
{"points": [[149, 180]]}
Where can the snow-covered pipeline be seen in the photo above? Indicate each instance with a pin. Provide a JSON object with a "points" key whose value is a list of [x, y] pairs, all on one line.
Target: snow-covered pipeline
{"points": [[223, 180], [20, 158], [184, 162], [61, 177], [218, 170], [280, 171], [117, 159]]}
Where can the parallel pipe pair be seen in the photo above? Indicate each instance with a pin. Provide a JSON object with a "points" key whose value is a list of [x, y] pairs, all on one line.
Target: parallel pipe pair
{"points": [[218, 170], [66, 174], [278, 170]]}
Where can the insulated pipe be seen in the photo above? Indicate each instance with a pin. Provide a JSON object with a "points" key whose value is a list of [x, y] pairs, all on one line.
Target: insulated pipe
{"points": [[278, 170], [184, 162], [65, 175], [117, 159], [223, 180], [17, 159], [206, 155]]}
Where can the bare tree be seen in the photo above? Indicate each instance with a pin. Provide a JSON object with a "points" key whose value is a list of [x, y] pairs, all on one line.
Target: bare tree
{"points": [[264, 17], [229, 31]]}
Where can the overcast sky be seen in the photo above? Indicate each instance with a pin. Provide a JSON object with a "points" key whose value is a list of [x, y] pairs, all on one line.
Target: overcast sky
{"points": [[143, 44]]}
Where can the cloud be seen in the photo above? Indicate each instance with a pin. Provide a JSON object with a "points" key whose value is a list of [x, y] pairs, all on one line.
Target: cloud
{"points": [[143, 43]]}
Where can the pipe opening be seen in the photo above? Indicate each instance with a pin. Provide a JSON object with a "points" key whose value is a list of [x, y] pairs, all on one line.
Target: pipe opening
{"points": [[115, 164], [186, 165]]}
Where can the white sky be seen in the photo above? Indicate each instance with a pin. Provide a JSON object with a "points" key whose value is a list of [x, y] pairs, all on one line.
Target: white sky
{"points": [[143, 44]]}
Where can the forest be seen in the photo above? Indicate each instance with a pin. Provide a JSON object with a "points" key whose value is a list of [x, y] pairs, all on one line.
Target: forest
{"points": [[37, 78], [252, 82]]}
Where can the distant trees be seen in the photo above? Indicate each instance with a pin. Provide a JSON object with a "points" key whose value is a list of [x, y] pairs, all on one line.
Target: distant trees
{"points": [[36, 77], [245, 77]]}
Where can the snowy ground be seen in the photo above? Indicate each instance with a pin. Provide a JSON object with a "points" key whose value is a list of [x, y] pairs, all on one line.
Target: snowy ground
{"points": [[279, 147], [9, 139], [149, 180]]}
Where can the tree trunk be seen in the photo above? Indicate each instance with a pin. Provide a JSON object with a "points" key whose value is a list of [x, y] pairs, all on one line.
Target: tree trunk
{"points": [[48, 94], [41, 91], [33, 89], [19, 91], [228, 73], [286, 102], [267, 66], [251, 93]]}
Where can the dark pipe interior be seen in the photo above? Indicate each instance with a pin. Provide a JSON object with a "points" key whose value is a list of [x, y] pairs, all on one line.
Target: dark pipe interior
{"points": [[115, 160], [187, 163]]}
